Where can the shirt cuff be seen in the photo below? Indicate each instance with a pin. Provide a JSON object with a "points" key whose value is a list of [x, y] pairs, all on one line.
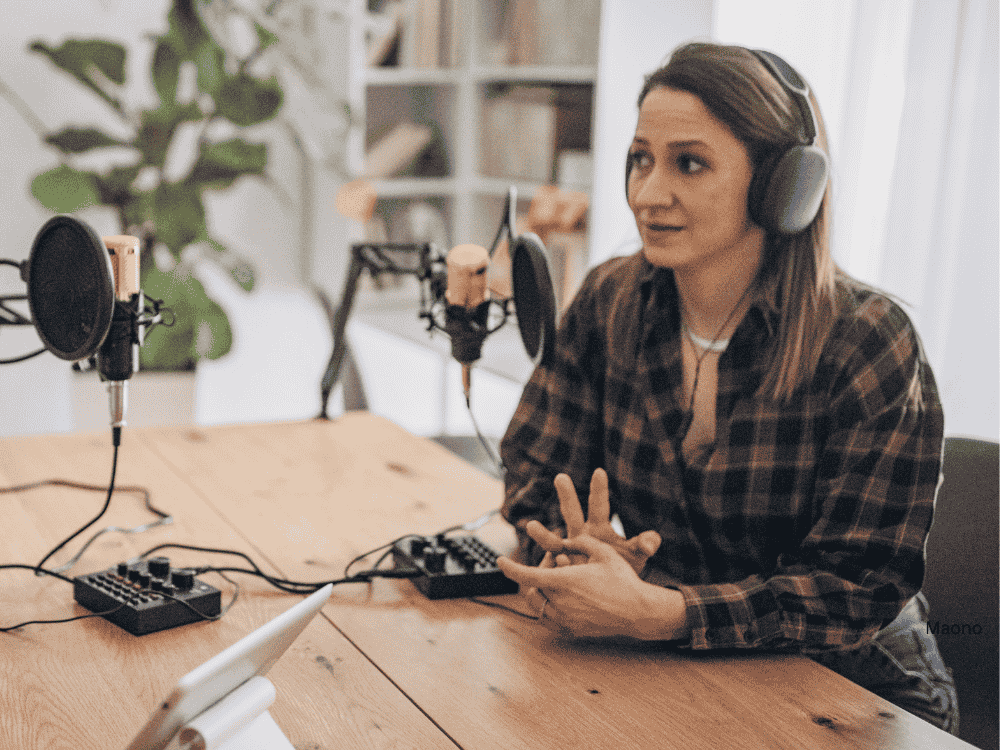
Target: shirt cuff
{"points": [[732, 615]]}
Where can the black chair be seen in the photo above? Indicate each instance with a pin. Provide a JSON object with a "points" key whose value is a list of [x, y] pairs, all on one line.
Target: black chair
{"points": [[961, 582]]}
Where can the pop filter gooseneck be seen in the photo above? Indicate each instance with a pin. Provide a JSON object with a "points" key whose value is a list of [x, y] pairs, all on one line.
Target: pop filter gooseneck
{"points": [[71, 290]]}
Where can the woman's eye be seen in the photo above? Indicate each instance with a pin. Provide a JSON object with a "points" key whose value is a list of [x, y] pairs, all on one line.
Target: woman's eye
{"points": [[689, 164], [640, 159]]}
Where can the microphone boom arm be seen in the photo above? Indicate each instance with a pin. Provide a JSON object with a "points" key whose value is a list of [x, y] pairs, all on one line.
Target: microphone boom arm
{"points": [[422, 260]]}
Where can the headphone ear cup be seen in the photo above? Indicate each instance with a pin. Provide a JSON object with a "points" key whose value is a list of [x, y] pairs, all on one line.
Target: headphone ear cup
{"points": [[788, 199]]}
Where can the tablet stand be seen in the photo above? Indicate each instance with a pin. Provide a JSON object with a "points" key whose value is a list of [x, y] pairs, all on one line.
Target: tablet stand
{"points": [[240, 721]]}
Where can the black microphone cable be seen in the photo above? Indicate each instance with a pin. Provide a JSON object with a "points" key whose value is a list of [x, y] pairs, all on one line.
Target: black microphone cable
{"points": [[23, 357], [104, 509], [9, 316]]}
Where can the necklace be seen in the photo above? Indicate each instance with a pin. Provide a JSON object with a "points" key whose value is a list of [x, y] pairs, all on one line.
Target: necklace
{"points": [[715, 345], [708, 345]]}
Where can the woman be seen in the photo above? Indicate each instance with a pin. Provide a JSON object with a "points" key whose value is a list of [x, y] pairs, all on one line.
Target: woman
{"points": [[765, 428]]}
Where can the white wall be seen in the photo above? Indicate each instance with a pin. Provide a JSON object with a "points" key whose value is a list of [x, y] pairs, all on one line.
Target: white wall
{"points": [[636, 38]]}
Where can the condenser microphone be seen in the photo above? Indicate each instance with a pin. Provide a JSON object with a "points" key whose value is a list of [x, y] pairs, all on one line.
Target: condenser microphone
{"points": [[118, 356], [85, 301], [467, 306], [468, 303]]}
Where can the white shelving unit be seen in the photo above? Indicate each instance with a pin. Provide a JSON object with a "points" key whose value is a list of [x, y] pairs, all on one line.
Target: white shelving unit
{"points": [[489, 59], [452, 101]]}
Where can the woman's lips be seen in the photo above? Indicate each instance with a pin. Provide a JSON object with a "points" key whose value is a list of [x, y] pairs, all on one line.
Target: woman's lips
{"points": [[663, 227]]}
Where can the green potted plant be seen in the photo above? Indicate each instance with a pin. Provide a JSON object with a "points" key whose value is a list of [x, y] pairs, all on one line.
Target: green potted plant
{"points": [[166, 211]]}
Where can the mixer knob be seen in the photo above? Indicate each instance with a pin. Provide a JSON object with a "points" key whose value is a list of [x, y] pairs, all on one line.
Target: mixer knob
{"points": [[183, 578], [159, 567], [434, 559]]}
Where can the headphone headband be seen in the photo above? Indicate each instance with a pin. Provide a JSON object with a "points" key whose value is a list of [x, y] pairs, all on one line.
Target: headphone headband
{"points": [[796, 87]]}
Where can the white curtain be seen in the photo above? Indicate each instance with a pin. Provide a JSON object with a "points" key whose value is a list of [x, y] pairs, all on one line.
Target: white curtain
{"points": [[909, 91]]}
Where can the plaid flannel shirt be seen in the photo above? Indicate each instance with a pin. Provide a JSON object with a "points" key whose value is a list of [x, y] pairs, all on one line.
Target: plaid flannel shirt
{"points": [[804, 525]]}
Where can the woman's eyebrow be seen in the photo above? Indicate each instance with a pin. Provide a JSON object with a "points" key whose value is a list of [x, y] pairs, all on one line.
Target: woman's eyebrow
{"points": [[687, 143]]}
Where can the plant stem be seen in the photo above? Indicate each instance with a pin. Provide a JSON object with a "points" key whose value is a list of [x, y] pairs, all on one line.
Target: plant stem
{"points": [[307, 194], [21, 107]]}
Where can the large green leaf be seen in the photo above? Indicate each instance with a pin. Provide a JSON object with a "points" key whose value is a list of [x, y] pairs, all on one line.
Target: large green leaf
{"points": [[220, 333], [186, 28], [65, 190], [75, 56], [138, 209], [79, 140], [210, 60], [79, 58], [178, 215], [115, 188], [265, 38], [176, 347], [165, 70], [245, 100], [157, 128], [220, 164]]}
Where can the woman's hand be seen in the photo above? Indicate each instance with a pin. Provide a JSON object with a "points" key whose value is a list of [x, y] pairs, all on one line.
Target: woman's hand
{"points": [[635, 551], [601, 597]]}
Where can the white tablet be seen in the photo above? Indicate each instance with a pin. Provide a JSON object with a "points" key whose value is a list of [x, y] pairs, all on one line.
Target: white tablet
{"points": [[209, 683]]}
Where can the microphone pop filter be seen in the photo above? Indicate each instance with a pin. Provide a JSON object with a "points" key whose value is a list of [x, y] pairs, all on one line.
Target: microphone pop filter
{"points": [[71, 291], [534, 297]]}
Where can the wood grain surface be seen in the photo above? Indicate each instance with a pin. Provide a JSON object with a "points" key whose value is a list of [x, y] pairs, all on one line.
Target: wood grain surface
{"points": [[89, 684], [386, 667]]}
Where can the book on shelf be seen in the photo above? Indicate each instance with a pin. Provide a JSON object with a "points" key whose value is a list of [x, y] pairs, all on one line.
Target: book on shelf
{"points": [[427, 41], [451, 32], [541, 32], [397, 149], [519, 133], [415, 33], [575, 169], [382, 34]]}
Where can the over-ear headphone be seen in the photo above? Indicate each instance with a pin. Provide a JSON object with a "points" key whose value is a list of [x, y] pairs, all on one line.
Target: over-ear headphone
{"points": [[786, 192]]}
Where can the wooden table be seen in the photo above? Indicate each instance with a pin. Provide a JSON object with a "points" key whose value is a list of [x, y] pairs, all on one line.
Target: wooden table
{"points": [[384, 667]]}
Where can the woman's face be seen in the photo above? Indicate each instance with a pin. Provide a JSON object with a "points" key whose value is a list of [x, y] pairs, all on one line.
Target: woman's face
{"points": [[688, 186]]}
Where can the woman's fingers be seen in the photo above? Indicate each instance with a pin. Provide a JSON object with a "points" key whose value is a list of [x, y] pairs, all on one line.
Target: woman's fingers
{"points": [[599, 502], [547, 540], [645, 545], [569, 504]]}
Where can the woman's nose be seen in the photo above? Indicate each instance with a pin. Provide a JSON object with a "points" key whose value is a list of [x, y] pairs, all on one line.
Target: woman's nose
{"points": [[655, 188]]}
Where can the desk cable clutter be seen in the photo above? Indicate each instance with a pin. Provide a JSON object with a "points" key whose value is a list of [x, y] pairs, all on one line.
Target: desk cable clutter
{"points": [[85, 303]]}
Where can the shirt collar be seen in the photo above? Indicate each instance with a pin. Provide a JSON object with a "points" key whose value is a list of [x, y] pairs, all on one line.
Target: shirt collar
{"points": [[762, 313]]}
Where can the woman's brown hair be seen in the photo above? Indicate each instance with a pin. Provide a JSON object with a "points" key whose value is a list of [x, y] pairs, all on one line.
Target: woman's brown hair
{"points": [[798, 275]]}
